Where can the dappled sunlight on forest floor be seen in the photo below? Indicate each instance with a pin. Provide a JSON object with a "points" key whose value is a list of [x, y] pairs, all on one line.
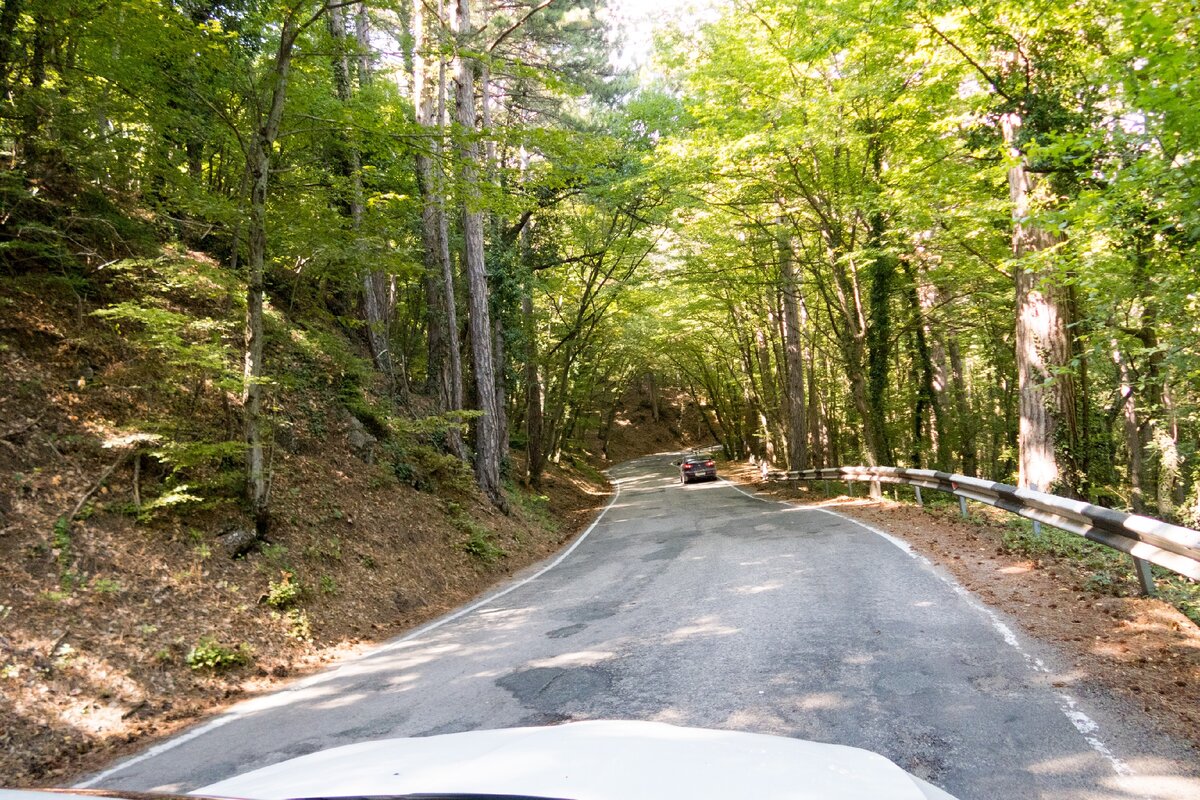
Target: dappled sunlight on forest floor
{"points": [[101, 621]]}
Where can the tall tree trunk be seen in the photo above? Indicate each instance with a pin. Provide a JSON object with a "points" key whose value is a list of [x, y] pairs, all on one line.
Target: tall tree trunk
{"points": [[818, 442], [488, 436], [437, 379], [1131, 430], [1041, 335], [535, 446], [10, 14], [443, 377], [928, 298], [258, 165], [1158, 436], [793, 366], [769, 386], [964, 421], [653, 386], [926, 376], [879, 342], [501, 361], [362, 34], [376, 285]]}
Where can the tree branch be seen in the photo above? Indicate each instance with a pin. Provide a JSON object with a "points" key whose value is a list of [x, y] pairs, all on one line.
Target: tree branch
{"points": [[511, 28], [993, 82]]}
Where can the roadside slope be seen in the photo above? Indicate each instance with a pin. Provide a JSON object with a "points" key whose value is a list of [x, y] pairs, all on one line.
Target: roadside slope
{"points": [[122, 617]]}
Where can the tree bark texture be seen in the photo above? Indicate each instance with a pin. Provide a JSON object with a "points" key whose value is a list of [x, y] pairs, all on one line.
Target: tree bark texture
{"points": [[964, 421], [535, 447], [443, 377], [258, 164], [929, 379], [376, 285], [488, 435], [928, 300], [1042, 346], [879, 342], [793, 367]]}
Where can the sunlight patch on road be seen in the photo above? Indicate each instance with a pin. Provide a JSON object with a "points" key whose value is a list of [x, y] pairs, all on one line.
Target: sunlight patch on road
{"points": [[822, 701], [752, 590], [671, 716], [705, 626], [1153, 786], [582, 658], [402, 681], [753, 719], [1074, 764], [339, 701]]}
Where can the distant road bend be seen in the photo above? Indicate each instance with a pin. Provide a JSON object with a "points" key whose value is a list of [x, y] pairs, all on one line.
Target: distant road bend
{"points": [[704, 606]]}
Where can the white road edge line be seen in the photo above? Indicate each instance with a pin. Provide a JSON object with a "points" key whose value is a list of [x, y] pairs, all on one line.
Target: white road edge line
{"points": [[244, 708], [1087, 727]]}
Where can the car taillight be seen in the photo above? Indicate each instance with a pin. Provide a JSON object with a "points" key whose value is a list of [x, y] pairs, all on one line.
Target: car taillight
{"points": [[709, 463], [687, 466]]}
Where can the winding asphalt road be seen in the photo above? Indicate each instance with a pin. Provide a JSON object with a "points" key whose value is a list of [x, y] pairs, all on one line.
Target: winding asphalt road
{"points": [[704, 606]]}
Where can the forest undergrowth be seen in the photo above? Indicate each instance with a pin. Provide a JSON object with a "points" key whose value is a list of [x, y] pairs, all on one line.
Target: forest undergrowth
{"points": [[123, 616]]}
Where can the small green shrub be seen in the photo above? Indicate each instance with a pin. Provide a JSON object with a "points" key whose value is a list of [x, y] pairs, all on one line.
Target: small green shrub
{"points": [[479, 544], [1180, 592], [1111, 572], [61, 541], [327, 585], [208, 653], [299, 625], [106, 586], [283, 593], [478, 540], [275, 554], [534, 507], [426, 469], [1103, 582], [329, 549]]}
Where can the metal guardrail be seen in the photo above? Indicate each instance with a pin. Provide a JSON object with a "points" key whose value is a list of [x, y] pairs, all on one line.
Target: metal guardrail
{"points": [[1148, 540]]}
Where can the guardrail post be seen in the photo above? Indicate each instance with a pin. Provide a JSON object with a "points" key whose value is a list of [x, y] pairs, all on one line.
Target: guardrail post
{"points": [[920, 502], [962, 507], [1037, 525], [1145, 577]]}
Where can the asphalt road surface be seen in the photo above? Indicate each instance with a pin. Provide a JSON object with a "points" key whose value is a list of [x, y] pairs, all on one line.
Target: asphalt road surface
{"points": [[703, 606]]}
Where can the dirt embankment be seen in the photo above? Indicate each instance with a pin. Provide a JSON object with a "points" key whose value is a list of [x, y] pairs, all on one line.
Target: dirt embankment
{"points": [[91, 672], [1142, 649], [126, 621], [648, 419]]}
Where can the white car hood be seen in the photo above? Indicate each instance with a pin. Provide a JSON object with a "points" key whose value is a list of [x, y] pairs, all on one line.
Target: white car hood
{"points": [[589, 761]]}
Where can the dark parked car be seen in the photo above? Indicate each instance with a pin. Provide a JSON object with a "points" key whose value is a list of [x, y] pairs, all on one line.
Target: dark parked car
{"points": [[693, 468]]}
